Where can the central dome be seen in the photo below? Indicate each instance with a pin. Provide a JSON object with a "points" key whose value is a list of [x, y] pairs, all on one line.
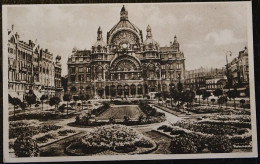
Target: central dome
{"points": [[122, 25]]}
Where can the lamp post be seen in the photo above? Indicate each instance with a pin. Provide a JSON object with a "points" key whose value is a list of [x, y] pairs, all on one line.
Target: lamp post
{"points": [[228, 75]]}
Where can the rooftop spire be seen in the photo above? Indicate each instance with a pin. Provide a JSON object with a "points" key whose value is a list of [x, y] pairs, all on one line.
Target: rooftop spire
{"points": [[123, 14], [175, 39], [99, 34], [149, 32]]}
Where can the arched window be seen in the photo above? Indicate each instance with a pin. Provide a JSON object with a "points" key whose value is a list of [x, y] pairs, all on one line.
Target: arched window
{"points": [[99, 73], [133, 89], [119, 90], [140, 89], [107, 90], [113, 91], [126, 90]]}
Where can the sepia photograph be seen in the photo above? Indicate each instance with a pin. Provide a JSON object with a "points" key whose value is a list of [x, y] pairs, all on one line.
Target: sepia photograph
{"points": [[133, 81]]}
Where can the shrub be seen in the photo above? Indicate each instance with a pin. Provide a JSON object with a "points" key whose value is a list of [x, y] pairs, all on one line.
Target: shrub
{"points": [[143, 142], [177, 132], [182, 145], [168, 129], [162, 127], [220, 144], [26, 147]]}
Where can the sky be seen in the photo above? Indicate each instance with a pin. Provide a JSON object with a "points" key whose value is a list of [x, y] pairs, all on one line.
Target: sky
{"points": [[205, 31]]}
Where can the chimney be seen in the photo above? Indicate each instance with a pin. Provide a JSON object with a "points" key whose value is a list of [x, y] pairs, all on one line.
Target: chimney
{"points": [[46, 50]]}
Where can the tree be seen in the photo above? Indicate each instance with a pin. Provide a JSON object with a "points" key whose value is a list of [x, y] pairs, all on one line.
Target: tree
{"points": [[15, 102], [67, 98], [222, 100], [218, 92], [31, 99], [199, 93], [180, 87], [206, 95], [61, 109], [82, 98], [232, 94], [54, 101], [23, 105], [242, 102], [213, 101], [64, 83], [165, 95], [43, 97], [158, 95], [26, 147]]}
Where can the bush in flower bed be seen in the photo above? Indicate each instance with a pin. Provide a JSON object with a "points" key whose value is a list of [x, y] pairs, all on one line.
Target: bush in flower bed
{"points": [[208, 109], [118, 138], [65, 132], [220, 144], [26, 147], [182, 145], [151, 113], [196, 143], [46, 137], [101, 109]]}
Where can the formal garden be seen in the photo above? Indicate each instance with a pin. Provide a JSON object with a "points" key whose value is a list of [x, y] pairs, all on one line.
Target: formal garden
{"points": [[175, 122]]}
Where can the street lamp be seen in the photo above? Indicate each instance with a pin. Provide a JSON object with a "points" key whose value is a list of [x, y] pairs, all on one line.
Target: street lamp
{"points": [[228, 76]]}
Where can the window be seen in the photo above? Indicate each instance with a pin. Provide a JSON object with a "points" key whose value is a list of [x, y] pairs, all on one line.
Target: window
{"points": [[88, 69], [81, 78], [171, 66], [81, 59], [72, 78], [178, 66], [163, 66], [72, 70], [73, 59], [80, 69], [163, 75]]}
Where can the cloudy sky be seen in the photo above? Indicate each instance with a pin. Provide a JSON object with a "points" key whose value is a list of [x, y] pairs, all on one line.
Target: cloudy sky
{"points": [[205, 32]]}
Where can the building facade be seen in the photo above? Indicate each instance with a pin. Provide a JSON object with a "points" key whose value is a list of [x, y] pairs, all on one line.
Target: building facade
{"points": [[205, 78], [126, 65], [31, 68], [238, 70]]}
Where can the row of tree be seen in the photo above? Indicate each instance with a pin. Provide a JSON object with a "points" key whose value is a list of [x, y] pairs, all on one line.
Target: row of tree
{"points": [[53, 101], [181, 96]]}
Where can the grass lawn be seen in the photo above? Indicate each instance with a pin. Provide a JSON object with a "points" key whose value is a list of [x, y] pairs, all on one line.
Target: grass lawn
{"points": [[162, 141], [133, 111]]}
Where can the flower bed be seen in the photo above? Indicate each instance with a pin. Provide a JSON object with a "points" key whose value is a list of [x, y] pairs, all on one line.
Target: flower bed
{"points": [[66, 132], [240, 118], [211, 128], [39, 116], [189, 142], [208, 109], [28, 128], [116, 138]]}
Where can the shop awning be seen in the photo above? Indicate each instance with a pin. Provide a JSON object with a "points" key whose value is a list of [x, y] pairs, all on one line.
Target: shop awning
{"points": [[13, 94], [37, 94]]}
